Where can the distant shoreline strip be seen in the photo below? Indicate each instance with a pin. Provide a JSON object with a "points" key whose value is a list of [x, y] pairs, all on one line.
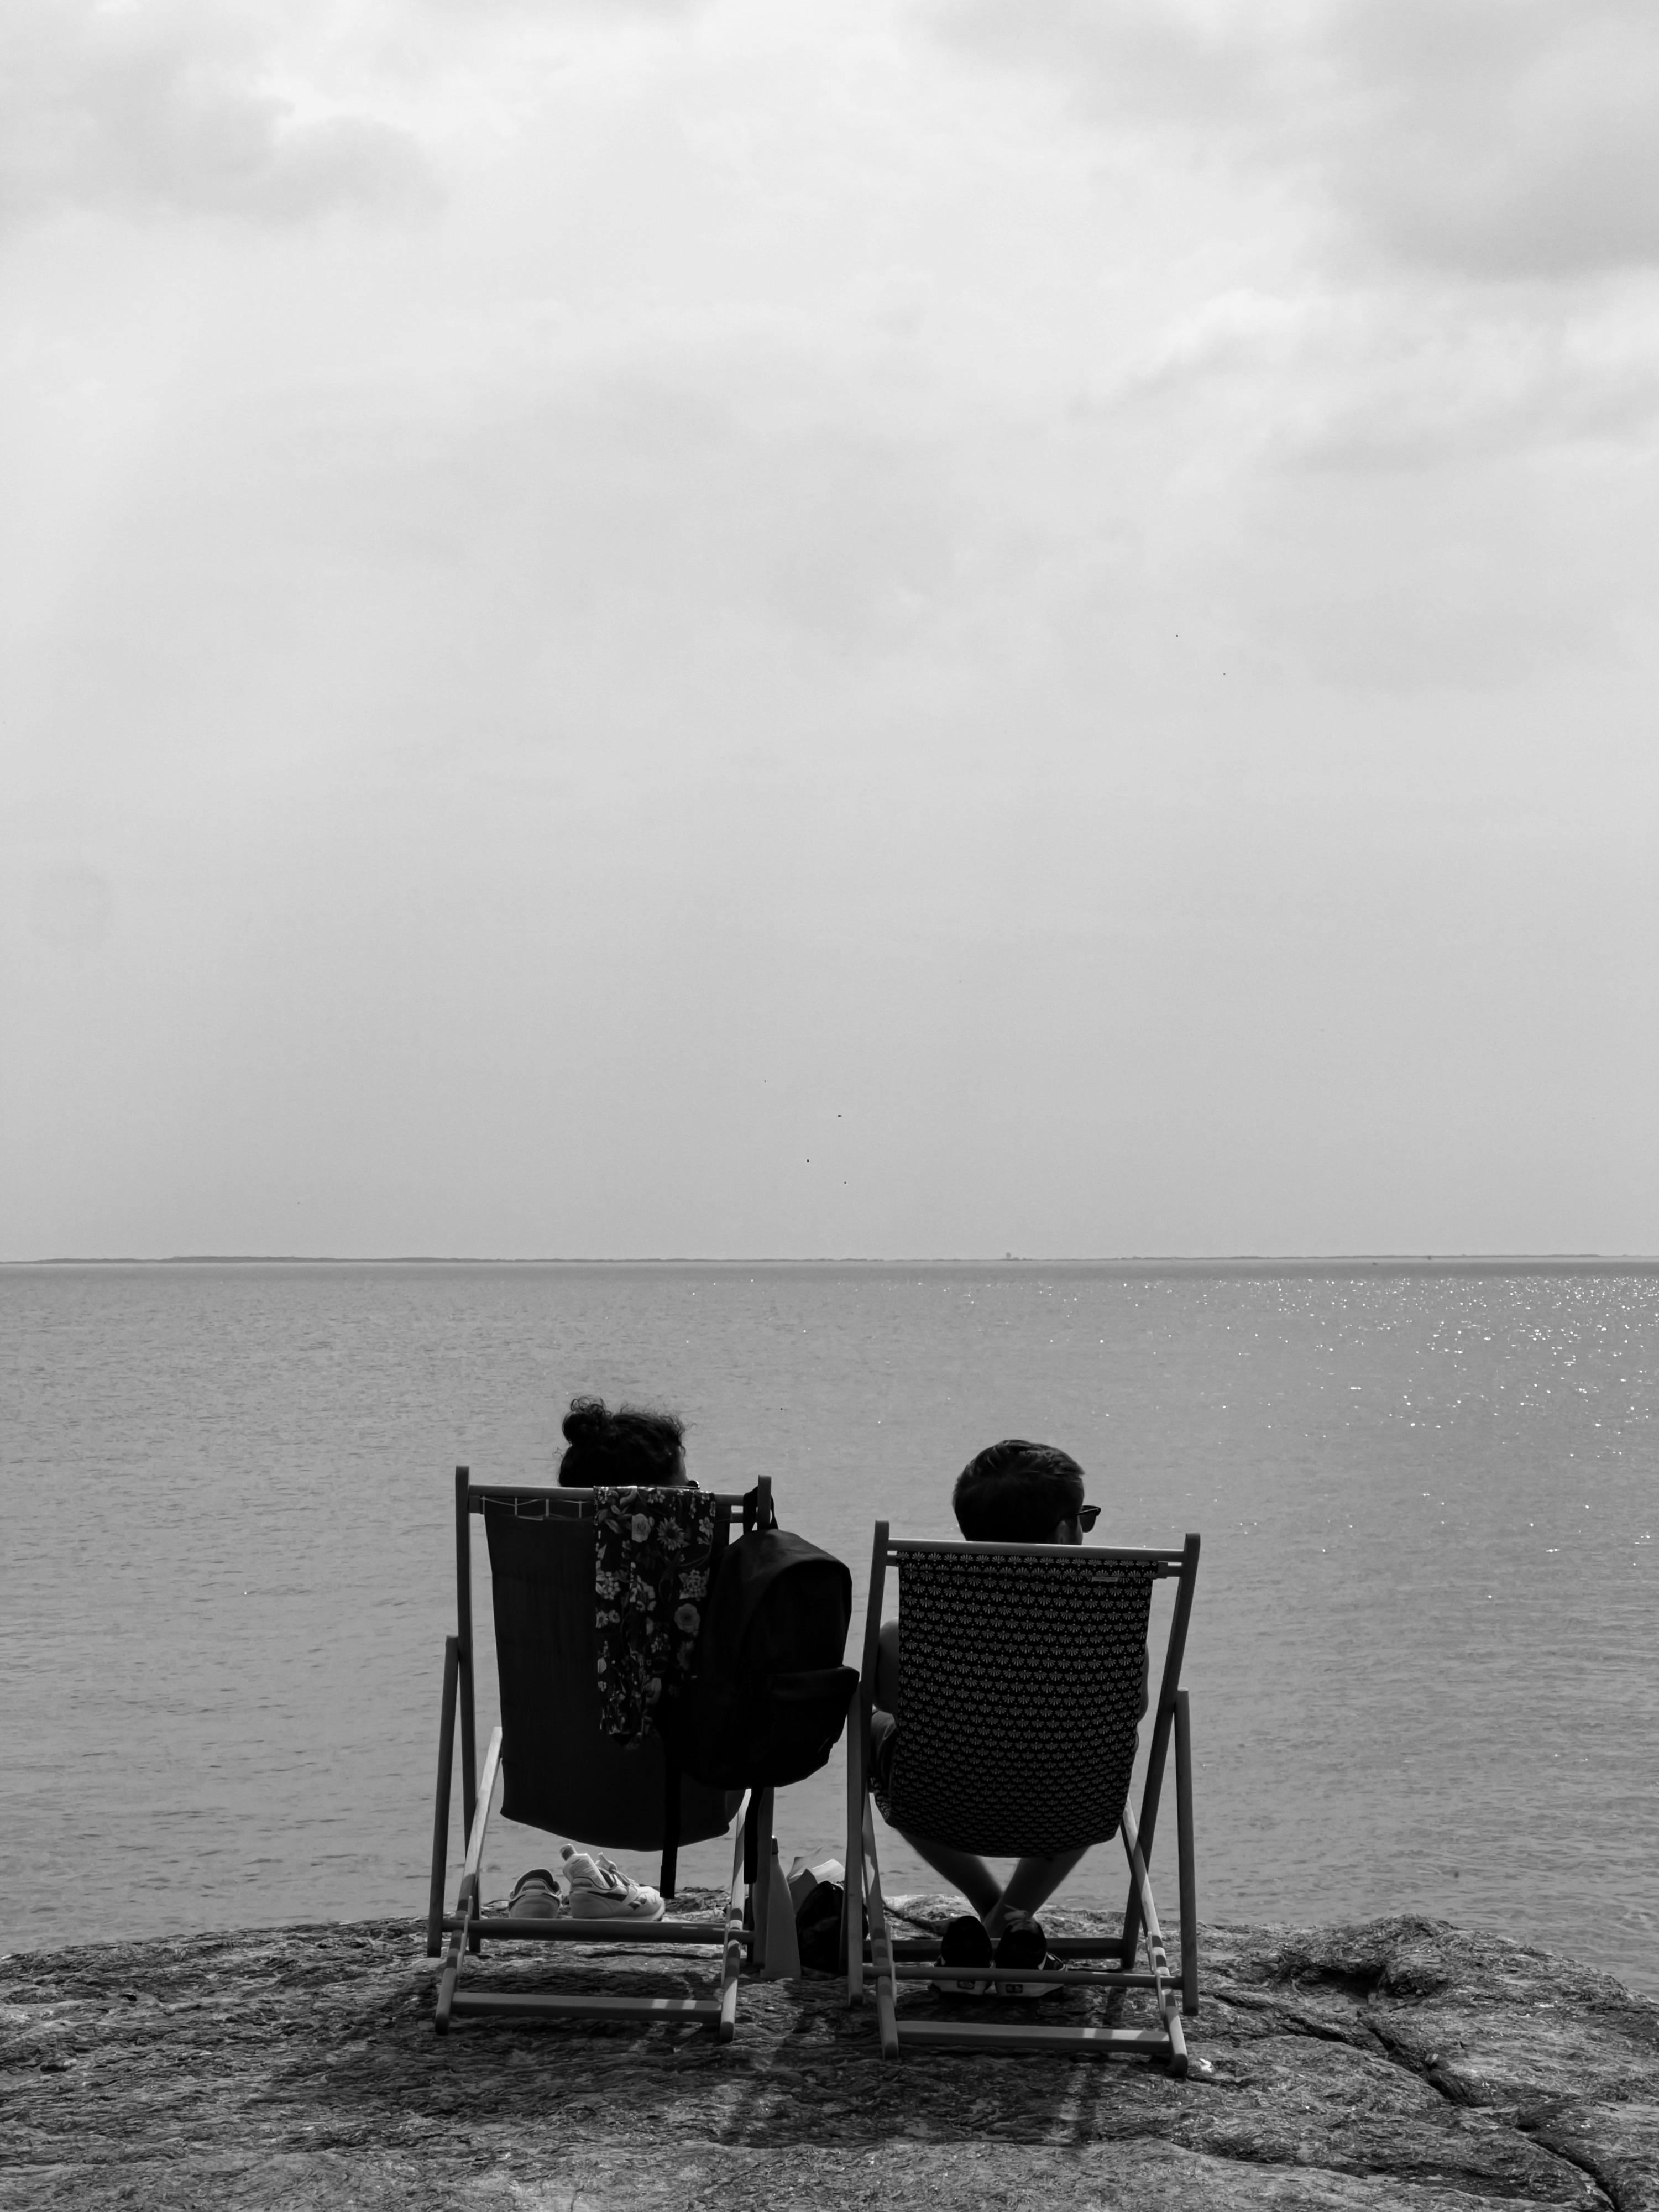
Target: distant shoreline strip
{"points": [[1242, 1264]]}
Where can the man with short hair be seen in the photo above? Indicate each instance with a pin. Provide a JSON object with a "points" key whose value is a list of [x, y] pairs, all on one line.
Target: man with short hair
{"points": [[1016, 1492], [1013, 1492]]}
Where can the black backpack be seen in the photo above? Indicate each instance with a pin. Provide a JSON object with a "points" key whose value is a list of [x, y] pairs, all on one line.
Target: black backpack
{"points": [[768, 1695], [819, 1927]]}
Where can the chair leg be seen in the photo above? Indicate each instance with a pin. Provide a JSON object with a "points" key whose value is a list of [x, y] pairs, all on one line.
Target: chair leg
{"points": [[881, 1948], [464, 1936], [460, 1943], [434, 1911], [1168, 2008], [446, 1981], [852, 1904], [731, 1961], [1183, 1748], [858, 1770]]}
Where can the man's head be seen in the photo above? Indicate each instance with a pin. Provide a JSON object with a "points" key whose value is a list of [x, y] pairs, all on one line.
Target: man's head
{"points": [[1016, 1492]]}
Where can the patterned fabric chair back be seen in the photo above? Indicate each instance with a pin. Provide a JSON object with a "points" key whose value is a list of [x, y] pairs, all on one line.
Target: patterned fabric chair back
{"points": [[1020, 1684]]}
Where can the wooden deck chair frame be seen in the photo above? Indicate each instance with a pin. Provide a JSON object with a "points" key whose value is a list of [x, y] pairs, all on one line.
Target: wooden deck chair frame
{"points": [[891, 1962], [738, 1935]]}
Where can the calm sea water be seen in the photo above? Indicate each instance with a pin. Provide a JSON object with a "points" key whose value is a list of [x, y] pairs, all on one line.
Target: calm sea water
{"points": [[1424, 1659]]}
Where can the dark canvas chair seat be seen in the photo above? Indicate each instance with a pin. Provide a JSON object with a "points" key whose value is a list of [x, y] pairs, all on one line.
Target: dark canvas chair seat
{"points": [[1022, 1668], [560, 1771]]}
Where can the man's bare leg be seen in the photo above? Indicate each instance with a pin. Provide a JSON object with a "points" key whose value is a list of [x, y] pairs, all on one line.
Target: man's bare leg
{"points": [[963, 1871], [1031, 1884]]}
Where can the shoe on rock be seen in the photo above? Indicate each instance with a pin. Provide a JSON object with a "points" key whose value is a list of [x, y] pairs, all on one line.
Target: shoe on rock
{"points": [[600, 1891]]}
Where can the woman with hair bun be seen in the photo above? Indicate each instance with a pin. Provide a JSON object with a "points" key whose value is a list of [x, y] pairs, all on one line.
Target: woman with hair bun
{"points": [[651, 1572], [635, 1445]]}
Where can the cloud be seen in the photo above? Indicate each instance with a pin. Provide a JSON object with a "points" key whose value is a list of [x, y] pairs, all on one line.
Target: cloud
{"points": [[185, 108], [827, 567], [1493, 139], [676, 560], [1396, 391], [1503, 138]]}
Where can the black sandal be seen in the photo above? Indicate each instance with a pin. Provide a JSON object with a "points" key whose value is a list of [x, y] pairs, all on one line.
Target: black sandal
{"points": [[1026, 1946], [964, 1944]]}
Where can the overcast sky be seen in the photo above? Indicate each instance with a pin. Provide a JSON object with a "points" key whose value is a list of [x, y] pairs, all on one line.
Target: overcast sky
{"points": [[844, 628]]}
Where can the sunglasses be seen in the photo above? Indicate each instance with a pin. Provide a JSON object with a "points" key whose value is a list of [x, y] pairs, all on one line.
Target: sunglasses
{"points": [[1086, 1518]]}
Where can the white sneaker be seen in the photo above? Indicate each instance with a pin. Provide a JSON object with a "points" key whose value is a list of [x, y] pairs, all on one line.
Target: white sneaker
{"points": [[599, 1891]]}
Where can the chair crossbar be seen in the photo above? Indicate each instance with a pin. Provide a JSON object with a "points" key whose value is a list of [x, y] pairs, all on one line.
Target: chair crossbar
{"points": [[1063, 1947], [500, 1928], [1085, 1947], [1071, 1977], [1016, 2035], [491, 2004], [1163, 1562], [479, 1494]]}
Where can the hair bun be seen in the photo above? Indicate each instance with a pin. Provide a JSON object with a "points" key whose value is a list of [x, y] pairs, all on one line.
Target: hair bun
{"points": [[587, 1421], [626, 1443]]}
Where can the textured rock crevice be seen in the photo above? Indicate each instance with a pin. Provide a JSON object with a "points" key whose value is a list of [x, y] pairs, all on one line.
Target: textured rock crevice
{"points": [[1401, 2062]]}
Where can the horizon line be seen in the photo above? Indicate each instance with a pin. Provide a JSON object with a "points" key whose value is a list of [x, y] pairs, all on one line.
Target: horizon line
{"points": [[832, 1260]]}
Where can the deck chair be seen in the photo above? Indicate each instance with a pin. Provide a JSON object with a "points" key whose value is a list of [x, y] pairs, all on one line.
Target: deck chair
{"points": [[1020, 1682], [561, 1771]]}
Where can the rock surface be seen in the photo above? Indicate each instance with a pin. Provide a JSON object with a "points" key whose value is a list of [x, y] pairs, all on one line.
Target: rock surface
{"points": [[1398, 2064]]}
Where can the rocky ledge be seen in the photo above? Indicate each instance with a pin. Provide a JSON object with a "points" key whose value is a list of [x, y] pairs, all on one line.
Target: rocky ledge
{"points": [[1402, 2063]]}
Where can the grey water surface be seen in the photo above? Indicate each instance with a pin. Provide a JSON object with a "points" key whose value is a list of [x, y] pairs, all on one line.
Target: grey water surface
{"points": [[1425, 1658]]}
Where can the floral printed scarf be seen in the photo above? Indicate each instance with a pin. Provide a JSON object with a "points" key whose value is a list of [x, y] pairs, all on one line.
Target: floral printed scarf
{"points": [[653, 1556]]}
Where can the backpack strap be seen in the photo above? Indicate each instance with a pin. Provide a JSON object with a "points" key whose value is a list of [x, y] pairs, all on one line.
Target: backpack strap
{"points": [[759, 1514]]}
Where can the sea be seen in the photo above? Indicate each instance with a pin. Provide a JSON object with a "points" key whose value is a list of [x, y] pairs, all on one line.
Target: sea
{"points": [[1423, 1661]]}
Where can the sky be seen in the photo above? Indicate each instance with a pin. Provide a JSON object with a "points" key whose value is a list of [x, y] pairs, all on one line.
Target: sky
{"points": [[943, 628]]}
